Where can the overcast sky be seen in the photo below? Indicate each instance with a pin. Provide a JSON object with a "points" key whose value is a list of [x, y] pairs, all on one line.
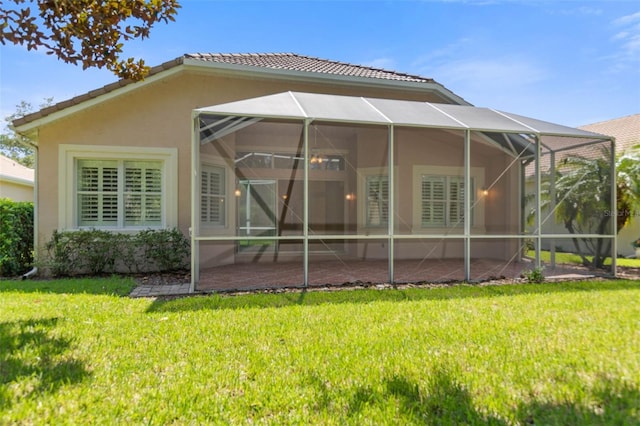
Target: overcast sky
{"points": [[568, 62]]}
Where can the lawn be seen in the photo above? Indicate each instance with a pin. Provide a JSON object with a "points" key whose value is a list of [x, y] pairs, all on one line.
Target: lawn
{"points": [[572, 258], [553, 353]]}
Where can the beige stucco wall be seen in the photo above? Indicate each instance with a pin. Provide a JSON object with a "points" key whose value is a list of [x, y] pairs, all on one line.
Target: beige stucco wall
{"points": [[158, 114], [418, 151]]}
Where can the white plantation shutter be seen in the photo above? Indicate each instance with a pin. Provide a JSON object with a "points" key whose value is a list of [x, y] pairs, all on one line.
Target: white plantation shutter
{"points": [[97, 193], [119, 193], [443, 200], [433, 200], [456, 201], [212, 195], [142, 193], [377, 200]]}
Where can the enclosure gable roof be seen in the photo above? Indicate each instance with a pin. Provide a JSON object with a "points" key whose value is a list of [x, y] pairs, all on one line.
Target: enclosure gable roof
{"points": [[312, 106]]}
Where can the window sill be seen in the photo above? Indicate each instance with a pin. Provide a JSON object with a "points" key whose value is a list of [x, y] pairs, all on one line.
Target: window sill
{"points": [[116, 229], [477, 230]]}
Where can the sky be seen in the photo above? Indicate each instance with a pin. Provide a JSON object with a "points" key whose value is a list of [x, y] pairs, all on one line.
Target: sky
{"points": [[568, 62]]}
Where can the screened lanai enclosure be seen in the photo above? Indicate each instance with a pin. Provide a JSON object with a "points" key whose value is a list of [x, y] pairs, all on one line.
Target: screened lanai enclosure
{"points": [[301, 189]]}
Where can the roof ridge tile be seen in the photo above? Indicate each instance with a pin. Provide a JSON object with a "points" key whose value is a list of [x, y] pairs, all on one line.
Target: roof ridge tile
{"points": [[306, 63]]}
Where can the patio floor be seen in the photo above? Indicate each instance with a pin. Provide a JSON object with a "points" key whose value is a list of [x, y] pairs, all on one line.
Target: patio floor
{"points": [[248, 276]]}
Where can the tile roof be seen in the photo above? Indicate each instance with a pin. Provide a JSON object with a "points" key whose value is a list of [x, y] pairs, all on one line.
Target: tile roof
{"points": [[294, 62], [626, 130], [276, 61]]}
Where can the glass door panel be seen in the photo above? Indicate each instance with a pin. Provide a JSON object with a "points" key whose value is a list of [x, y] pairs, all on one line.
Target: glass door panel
{"points": [[256, 213]]}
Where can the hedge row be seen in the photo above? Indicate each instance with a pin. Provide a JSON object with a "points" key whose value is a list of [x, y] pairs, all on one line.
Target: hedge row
{"points": [[98, 252], [16, 237]]}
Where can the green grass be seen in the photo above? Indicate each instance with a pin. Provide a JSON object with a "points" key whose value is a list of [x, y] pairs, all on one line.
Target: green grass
{"points": [[621, 261], [563, 353], [574, 259]]}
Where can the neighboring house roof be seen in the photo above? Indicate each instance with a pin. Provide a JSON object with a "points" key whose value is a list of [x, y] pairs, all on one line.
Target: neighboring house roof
{"points": [[626, 130], [290, 64], [10, 171]]}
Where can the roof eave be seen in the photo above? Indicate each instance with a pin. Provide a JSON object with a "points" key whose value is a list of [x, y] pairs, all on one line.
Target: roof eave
{"points": [[16, 180], [29, 123]]}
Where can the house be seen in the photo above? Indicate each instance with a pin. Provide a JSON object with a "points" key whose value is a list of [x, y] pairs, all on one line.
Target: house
{"points": [[626, 131], [291, 170], [16, 180]]}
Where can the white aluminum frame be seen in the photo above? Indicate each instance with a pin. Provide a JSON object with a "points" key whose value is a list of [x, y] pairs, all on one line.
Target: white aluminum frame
{"points": [[306, 237]]}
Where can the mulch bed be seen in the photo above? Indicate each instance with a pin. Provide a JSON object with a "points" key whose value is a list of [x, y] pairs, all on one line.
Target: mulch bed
{"points": [[184, 277], [163, 278]]}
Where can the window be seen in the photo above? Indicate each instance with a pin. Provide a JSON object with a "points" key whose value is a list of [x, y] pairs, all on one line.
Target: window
{"points": [[118, 193], [212, 196], [377, 207], [442, 200], [117, 187]]}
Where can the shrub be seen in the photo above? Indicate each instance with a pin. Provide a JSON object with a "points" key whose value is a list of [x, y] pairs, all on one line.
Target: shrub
{"points": [[86, 251], [97, 252], [16, 237], [168, 249], [60, 257], [527, 246], [534, 276], [128, 253]]}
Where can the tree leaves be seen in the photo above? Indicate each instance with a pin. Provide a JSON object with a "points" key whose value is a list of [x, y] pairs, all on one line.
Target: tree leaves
{"points": [[584, 198], [15, 146], [87, 32]]}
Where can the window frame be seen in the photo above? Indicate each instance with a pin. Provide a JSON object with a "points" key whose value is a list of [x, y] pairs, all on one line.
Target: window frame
{"points": [[69, 155], [383, 223], [222, 170], [364, 174], [110, 188], [477, 175], [447, 201]]}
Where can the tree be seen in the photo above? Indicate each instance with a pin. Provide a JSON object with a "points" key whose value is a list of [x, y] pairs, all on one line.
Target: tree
{"points": [[89, 32], [628, 186], [15, 146], [583, 197]]}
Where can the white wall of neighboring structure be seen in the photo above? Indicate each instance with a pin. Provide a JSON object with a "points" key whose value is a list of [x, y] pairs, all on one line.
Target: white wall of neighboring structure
{"points": [[629, 233], [16, 180]]}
